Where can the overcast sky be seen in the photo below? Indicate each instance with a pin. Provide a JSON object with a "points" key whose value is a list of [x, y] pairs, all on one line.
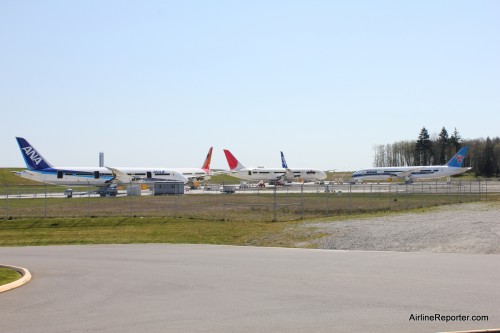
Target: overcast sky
{"points": [[156, 83]]}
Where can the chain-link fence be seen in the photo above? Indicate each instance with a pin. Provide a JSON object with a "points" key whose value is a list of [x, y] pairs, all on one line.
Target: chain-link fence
{"points": [[232, 203]]}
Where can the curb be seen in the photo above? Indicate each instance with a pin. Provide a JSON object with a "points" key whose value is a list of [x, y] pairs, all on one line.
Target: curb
{"points": [[26, 277]]}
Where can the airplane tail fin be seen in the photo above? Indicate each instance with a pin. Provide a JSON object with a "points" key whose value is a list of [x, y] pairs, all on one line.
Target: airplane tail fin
{"points": [[458, 160], [33, 159], [206, 164], [283, 161], [234, 164]]}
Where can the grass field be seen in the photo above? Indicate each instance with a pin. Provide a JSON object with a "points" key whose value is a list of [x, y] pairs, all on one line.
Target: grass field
{"points": [[57, 231], [243, 226], [8, 276]]}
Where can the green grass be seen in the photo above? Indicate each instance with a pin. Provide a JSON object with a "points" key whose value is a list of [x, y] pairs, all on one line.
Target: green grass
{"points": [[191, 230], [114, 230], [8, 276]]}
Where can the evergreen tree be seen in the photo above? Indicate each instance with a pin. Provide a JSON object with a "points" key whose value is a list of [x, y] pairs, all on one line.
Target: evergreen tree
{"points": [[423, 148], [443, 142], [489, 165], [456, 140]]}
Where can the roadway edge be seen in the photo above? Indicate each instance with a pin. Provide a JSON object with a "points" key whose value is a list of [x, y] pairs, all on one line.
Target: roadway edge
{"points": [[26, 277]]}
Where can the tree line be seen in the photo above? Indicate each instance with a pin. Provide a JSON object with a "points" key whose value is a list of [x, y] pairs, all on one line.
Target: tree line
{"points": [[484, 154]]}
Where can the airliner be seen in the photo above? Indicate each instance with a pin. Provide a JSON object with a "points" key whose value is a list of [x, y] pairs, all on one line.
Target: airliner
{"points": [[40, 170], [410, 173], [197, 174], [193, 175], [271, 174]]}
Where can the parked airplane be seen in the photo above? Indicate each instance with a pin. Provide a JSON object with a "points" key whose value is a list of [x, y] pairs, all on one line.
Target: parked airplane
{"points": [[196, 174], [303, 174], [271, 174], [410, 173], [42, 171], [193, 175]]}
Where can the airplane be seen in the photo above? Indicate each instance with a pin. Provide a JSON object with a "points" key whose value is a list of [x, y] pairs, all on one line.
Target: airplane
{"points": [[193, 175], [40, 170], [303, 174], [271, 174], [410, 173], [197, 174]]}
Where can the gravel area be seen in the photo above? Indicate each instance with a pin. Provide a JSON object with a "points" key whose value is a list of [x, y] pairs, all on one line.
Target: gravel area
{"points": [[462, 228]]}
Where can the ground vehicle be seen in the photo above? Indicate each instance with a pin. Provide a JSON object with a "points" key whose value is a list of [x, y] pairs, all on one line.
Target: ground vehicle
{"points": [[111, 191]]}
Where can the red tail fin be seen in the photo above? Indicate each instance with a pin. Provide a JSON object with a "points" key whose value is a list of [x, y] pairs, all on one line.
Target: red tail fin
{"points": [[206, 164], [232, 161]]}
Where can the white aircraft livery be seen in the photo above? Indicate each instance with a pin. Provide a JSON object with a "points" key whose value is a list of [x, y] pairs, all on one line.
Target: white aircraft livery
{"points": [[194, 174], [42, 171], [410, 173], [271, 174]]}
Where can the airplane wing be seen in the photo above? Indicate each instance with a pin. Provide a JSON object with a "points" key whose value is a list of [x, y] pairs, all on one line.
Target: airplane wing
{"points": [[288, 175], [120, 175], [406, 175]]}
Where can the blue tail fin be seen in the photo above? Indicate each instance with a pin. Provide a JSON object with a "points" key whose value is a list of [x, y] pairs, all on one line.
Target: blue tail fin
{"points": [[283, 162], [33, 159], [458, 160]]}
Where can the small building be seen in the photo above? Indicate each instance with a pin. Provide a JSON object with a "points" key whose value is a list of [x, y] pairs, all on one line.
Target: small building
{"points": [[168, 188]]}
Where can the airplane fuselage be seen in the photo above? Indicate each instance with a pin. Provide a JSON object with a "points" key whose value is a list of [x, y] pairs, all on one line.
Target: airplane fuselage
{"points": [[193, 173], [97, 176], [419, 172], [266, 174]]}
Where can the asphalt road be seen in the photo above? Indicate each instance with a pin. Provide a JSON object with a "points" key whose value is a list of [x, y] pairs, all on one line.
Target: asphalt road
{"points": [[202, 288]]}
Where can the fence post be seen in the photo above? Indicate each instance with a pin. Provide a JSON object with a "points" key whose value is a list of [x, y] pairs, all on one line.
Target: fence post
{"points": [[406, 196], [45, 200], [350, 198], [390, 203], [327, 193], [7, 201], [302, 199], [486, 191], [275, 204], [89, 211]]}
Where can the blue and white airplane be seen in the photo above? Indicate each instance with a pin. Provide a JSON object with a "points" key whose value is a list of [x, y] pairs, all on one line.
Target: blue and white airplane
{"points": [[410, 173], [303, 174], [40, 170]]}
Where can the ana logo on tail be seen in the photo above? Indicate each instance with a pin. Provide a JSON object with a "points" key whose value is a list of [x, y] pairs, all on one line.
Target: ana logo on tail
{"points": [[33, 159], [32, 154]]}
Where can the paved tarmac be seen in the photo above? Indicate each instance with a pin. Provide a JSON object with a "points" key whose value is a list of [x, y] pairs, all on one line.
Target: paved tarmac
{"points": [[203, 288]]}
